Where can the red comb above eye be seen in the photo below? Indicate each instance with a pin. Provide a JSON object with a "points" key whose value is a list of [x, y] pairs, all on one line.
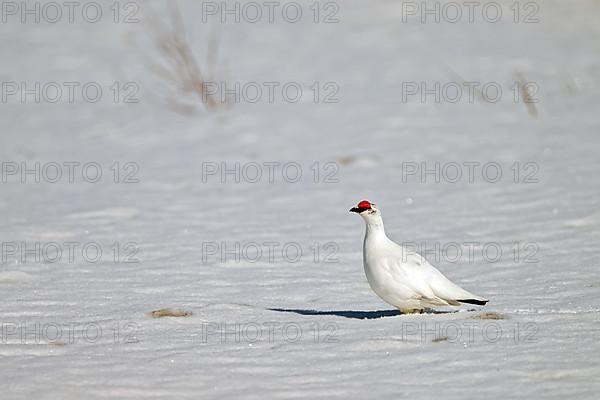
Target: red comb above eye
{"points": [[364, 204]]}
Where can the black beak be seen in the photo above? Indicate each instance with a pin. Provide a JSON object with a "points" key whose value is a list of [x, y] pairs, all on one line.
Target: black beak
{"points": [[357, 210]]}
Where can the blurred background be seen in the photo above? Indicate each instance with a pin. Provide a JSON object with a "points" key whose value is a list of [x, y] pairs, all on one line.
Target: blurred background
{"points": [[361, 98]]}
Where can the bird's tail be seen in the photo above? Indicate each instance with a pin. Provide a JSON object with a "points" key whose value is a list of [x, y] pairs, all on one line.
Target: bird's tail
{"points": [[479, 302]]}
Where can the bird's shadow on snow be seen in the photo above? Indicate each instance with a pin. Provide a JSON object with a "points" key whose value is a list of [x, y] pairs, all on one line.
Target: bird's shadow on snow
{"points": [[354, 314]]}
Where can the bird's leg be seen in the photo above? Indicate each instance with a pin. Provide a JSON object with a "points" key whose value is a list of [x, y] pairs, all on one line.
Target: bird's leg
{"points": [[410, 310]]}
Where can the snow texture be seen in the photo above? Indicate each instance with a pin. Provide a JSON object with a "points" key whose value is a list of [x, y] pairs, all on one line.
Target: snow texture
{"points": [[540, 339]]}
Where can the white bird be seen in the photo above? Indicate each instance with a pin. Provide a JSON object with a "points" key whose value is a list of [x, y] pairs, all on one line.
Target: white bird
{"points": [[403, 278]]}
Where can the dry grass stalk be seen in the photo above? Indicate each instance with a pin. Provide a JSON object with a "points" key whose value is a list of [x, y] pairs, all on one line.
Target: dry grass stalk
{"points": [[180, 67], [527, 96], [169, 312], [489, 315]]}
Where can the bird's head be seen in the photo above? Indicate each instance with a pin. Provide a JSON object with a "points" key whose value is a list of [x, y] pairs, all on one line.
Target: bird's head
{"points": [[367, 210]]}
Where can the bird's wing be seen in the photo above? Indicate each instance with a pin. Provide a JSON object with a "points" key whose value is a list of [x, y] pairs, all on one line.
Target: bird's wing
{"points": [[426, 280], [408, 271], [446, 289]]}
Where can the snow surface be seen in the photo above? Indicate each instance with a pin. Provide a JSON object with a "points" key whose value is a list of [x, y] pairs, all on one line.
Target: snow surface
{"points": [[371, 352]]}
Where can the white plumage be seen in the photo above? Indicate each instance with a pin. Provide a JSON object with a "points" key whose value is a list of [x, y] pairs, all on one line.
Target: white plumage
{"points": [[402, 278]]}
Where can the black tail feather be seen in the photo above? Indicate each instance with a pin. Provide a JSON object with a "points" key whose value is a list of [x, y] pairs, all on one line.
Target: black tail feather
{"points": [[474, 301]]}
